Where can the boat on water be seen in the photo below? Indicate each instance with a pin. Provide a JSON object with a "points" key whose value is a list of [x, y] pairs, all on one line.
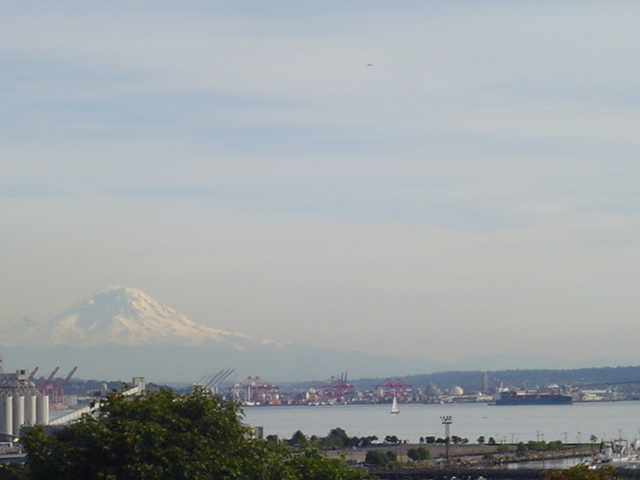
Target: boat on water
{"points": [[618, 453], [394, 406], [521, 397]]}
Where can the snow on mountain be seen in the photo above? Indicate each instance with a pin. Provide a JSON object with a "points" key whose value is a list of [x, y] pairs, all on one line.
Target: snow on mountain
{"points": [[121, 316]]}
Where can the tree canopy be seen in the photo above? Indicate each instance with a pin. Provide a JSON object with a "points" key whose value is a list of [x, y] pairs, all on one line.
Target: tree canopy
{"points": [[165, 435], [583, 472]]}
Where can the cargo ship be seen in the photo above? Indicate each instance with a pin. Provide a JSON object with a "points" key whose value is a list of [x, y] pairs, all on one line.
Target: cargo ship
{"points": [[517, 397]]}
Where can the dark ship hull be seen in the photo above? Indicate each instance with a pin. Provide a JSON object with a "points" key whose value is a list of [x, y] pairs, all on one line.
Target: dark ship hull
{"points": [[516, 398]]}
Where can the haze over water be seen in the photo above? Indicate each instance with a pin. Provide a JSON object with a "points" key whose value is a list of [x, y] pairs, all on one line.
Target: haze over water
{"points": [[509, 423]]}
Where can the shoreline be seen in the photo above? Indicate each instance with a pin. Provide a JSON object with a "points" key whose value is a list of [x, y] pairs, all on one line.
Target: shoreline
{"points": [[465, 456]]}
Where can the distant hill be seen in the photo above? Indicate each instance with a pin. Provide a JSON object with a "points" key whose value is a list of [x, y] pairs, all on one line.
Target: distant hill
{"points": [[625, 378]]}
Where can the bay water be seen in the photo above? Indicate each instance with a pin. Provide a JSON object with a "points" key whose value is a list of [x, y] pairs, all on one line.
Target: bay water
{"points": [[567, 423]]}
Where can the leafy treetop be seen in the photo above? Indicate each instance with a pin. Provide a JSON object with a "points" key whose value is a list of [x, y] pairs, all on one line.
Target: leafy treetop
{"points": [[165, 435]]}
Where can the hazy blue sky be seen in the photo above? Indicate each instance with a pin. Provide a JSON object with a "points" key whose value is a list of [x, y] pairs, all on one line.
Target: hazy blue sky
{"points": [[433, 178]]}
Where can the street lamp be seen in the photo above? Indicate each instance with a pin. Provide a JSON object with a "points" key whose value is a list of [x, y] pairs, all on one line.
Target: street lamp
{"points": [[447, 420]]}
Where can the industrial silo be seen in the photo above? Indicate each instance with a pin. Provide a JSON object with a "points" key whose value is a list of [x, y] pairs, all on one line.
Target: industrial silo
{"points": [[6, 414], [30, 409], [42, 410], [20, 403], [18, 413]]}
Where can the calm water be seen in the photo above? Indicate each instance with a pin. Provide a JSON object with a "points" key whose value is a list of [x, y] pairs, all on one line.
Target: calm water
{"points": [[568, 423]]}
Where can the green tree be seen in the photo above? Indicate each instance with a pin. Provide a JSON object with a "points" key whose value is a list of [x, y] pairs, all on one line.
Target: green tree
{"points": [[337, 438], [298, 438], [534, 445], [391, 439], [555, 445], [366, 441], [164, 435], [481, 439], [417, 454], [311, 464], [582, 472], [13, 471], [376, 457]]}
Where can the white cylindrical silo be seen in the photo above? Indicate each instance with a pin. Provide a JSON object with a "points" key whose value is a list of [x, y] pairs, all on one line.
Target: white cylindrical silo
{"points": [[30, 410], [18, 413], [6, 415], [42, 410]]}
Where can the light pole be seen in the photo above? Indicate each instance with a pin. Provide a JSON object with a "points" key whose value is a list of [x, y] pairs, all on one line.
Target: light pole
{"points": [[447, 420]]}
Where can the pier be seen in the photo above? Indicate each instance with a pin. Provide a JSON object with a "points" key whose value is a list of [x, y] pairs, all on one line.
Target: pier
{"points": [[475, 473]]}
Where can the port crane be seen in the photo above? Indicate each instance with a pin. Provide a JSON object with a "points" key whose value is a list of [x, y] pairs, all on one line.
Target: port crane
{"points": [[212, 382], [44, 386], [58, 390], [32, 374]]}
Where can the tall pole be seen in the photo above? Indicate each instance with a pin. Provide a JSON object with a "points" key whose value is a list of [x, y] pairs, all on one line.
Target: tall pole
{"points": [[447, 420]]}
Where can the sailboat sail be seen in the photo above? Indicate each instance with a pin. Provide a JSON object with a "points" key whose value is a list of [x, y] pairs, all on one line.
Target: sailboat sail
{"points": [[394, 406]]}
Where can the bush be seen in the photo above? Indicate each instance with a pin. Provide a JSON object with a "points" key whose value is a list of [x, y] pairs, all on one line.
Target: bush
{"points": [[376, 457], [582, 472], [502, 448], [419, 453], [555, 445]]}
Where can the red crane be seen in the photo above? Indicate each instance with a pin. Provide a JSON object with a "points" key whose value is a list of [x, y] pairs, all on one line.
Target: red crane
{"points": [[392, 388], [335, 388], [44, 385], [59, 400]]}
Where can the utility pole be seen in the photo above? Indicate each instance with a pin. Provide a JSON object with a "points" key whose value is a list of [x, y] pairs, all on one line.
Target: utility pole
{"points": [[447, 420]]}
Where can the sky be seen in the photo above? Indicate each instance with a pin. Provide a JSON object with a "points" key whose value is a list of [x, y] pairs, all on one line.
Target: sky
{"points": [[425, 178]]}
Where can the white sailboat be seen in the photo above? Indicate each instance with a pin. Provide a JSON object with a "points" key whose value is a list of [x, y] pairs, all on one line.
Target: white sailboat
{"points": [[394, 406]]}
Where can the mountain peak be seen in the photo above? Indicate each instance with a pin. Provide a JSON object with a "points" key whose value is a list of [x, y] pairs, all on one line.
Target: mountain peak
{"points": [[123, 316]]}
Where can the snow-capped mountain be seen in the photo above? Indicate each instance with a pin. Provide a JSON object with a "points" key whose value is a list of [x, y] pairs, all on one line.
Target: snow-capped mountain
{"points": [[121, 316], [118, 333]]}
